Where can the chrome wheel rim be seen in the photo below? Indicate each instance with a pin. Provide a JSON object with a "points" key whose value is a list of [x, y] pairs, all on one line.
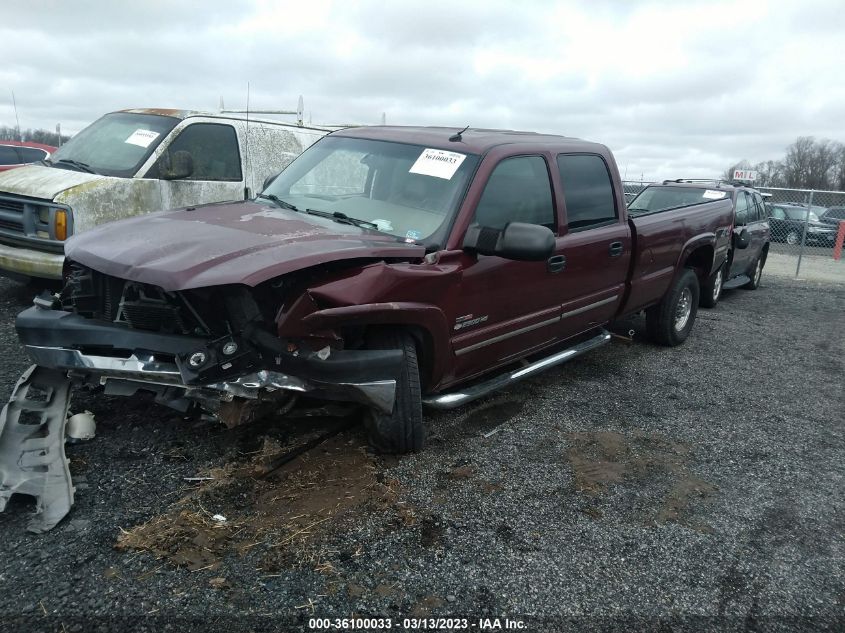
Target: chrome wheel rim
{"points": [[758, 272], [683, 309], [792, 238], [717, 285]]}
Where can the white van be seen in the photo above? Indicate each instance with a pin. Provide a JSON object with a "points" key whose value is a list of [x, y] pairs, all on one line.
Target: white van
{"points": [[133, 162]]}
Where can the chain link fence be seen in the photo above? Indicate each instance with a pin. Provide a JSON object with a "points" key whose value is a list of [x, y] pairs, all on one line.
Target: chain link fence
{"points": [[807, 227]]}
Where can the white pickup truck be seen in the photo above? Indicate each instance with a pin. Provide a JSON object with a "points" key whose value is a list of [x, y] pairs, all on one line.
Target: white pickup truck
{"points": [[130, 163]]}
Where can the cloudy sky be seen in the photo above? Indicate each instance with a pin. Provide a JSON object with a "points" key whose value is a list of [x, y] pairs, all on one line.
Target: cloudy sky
{"points": [[681, 88]]}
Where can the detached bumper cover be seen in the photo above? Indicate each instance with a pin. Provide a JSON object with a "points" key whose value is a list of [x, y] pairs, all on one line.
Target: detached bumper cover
{"points": [[63, 340]]}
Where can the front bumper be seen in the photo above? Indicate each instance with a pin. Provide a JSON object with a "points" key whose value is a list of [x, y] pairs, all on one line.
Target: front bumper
{"points": [[26, 262], [104, 352]]}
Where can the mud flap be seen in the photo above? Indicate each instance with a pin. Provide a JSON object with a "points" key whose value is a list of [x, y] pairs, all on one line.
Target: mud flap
{"points": [[32, 446]]}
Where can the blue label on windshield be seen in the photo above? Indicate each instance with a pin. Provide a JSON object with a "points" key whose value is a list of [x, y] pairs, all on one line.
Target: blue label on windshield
{"points": [[414, 235]]}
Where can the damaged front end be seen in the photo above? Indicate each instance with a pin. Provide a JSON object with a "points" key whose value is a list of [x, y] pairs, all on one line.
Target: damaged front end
{"points": [[211, 348]]}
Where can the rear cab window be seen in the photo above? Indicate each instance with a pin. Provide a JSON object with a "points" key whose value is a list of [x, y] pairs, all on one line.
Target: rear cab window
{"points": [[15, 155], [587, 191], [663, 198]]}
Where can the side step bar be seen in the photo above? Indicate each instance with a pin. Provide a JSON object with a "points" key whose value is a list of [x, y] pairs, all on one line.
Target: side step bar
{"points": [[736, 282], [454, 399]]}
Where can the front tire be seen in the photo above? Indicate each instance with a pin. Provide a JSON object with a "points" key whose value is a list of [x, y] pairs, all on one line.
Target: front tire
{"points": [[711, 291], [793, 237], [670, 321], [402, 431]]}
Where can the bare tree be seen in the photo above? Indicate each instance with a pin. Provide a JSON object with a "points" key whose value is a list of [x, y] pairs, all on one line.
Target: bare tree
{"points": [[810, 164], [769, 173], [728, 174], [47, 137]]}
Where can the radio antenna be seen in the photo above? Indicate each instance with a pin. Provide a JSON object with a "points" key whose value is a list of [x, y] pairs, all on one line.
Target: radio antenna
{"points": [[246, 148], [17, 121]]}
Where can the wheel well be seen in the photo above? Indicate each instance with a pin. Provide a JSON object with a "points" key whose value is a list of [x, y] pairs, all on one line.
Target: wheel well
{"points": [[423, 341], [700, 261]]}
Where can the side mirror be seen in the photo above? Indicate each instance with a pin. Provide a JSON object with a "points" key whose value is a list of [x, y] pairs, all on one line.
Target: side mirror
{"points": [[268, 181], [176, 165], [518, 240], [743, 239]]}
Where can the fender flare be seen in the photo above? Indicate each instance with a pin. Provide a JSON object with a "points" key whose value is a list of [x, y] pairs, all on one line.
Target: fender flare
{"points": [[428, 319]]}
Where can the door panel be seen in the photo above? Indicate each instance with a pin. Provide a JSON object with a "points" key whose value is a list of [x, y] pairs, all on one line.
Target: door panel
{"points": [[741, 256], [507, 307], [597, 245]]}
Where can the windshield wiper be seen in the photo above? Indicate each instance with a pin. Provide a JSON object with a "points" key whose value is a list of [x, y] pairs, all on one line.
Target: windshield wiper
{"points": [[75, 163], [279, 202], [342, 217]]}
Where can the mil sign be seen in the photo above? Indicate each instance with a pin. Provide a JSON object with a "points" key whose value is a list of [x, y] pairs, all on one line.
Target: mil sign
{"points": [[745, 174]]}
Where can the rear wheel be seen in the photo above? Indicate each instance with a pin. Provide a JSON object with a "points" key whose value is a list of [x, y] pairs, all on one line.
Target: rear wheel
{"points": [[711, 291], [671, 320], [756, 275], [401, 431]]}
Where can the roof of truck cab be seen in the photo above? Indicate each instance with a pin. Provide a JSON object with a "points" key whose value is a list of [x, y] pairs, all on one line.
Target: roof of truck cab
{"points": [[473, 140]]}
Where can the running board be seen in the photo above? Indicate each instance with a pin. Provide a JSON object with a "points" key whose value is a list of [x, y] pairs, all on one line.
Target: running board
{"points": [[736, 282], [455, 399]]}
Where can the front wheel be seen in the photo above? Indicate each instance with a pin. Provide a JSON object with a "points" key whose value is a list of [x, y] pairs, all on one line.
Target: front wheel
{"points": [[711, 291], [793, 237], [401, 431], [670, 321]]}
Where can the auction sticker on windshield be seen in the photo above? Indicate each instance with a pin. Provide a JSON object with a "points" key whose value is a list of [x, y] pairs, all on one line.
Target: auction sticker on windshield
{"points": [[438, 163], [142, 138], [711, 194]]}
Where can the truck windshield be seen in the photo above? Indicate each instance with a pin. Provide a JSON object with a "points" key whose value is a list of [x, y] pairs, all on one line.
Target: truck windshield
{"points": [[114, 145], [408, 191], [653, 199]]}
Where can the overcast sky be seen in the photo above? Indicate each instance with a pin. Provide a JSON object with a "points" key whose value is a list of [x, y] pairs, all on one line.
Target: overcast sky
{"points": [[676, 89]]}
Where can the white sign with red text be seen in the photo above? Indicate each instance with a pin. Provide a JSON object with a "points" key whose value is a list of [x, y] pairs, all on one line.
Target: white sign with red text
{"points": [[745, 174]]}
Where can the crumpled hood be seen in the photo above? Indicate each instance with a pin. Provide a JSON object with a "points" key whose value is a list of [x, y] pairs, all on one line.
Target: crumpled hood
{"points": [[39, 181], [233, 243]]}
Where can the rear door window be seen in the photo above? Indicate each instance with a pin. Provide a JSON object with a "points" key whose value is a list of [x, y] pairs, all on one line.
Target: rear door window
{"points": [[587, 191], [758, 204]]}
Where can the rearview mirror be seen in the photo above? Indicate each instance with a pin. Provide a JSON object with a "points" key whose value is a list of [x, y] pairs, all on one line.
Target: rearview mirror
{"points": [[176, 165], [743, 239], [518, 241]]}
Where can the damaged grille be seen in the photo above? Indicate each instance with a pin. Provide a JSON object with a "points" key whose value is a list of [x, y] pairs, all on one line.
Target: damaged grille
{"points": [[94, 295]]}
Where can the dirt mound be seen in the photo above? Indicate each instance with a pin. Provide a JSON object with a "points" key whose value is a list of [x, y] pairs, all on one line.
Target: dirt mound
{"points": [[241, 506]]}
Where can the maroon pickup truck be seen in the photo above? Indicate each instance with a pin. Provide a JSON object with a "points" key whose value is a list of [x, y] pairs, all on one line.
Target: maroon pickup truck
{"points": [[392, 267]]}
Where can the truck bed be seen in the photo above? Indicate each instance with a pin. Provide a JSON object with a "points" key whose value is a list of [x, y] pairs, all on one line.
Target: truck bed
{"points": [[662, 239]]}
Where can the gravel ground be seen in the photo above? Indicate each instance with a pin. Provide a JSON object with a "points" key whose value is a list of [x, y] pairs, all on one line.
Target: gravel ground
{"points": [[701, 487]]}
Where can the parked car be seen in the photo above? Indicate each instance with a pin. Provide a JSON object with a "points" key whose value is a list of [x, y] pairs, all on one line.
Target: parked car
{"points": [[787, 224], [19, 153], [131, 163], [833, 216], [391, 267], [748, 246]]}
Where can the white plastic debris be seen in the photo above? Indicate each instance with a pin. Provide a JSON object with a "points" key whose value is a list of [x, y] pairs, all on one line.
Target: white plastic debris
{"points": [[219, 518], [324, 353], [81, 426]]}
